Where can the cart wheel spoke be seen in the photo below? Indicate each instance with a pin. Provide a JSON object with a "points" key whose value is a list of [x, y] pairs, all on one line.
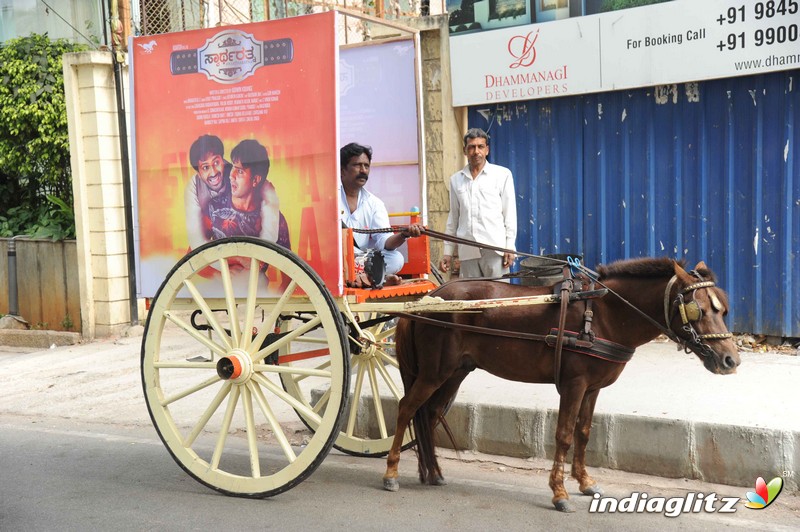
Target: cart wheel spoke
{"points": [[277, 308], [388, 380], [206, 416], [387, 359], [195, 334], [274, 424], [380, 420], [371, 409], [359, 386], [233, 398]]}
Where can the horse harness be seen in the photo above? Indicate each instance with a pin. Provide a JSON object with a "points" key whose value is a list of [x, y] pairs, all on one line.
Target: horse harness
{"points": [[573, 288], [585, 341], [580, 288]]}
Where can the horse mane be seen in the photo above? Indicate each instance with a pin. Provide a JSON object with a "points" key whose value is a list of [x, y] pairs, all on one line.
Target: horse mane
{"points": [[640, 267]]}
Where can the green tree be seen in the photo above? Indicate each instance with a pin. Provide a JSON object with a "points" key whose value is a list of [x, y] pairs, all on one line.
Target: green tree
{"points": [[35, 175]]}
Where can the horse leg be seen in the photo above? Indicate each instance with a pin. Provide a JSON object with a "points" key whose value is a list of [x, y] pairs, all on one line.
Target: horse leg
{"points": [[567, 415], [408, 406], [583, 428]]}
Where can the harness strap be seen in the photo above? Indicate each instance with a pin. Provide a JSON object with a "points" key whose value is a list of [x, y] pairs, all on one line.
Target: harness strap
{"points": [[458, 240], [566, 289], [695, 286], [667, 317], [600, 348], [695, 343], [604, 349], [472, 328]]}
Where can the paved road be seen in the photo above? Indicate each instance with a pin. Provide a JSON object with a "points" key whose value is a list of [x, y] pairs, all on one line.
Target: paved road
{"points": [[76, 440], [69, 475]]}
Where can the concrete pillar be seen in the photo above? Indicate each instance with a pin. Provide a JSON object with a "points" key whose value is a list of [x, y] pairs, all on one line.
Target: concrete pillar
{"points": [[98, 192], [444, 125]]}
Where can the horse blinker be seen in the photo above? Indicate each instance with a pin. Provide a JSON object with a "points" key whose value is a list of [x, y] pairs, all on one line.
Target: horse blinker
{"points": [[690, 311]]}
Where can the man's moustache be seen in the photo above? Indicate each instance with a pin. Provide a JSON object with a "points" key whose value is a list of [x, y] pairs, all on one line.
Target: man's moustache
{"points": [[363, 176]]}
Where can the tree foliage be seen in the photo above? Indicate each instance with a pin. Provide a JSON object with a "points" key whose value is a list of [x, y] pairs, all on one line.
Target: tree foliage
{"points": [[35, 176]]}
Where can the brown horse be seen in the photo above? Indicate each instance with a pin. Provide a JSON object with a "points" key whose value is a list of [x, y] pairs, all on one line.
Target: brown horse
{"points": [[646, 297]]}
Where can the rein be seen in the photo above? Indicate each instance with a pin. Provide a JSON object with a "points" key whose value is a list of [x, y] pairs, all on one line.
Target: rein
{"points": [[481, 330], [688, 310], [467, 242]]}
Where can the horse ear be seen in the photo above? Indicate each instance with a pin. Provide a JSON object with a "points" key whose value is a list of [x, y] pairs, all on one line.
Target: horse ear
{"points": [[681, 273], [701, 266]]}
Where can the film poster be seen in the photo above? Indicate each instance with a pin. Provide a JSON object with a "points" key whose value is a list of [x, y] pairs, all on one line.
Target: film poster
{"points": [[266, 88]]}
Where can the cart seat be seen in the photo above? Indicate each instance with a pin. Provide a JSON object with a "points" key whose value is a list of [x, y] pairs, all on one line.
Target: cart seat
{"points": [[414, 272]]}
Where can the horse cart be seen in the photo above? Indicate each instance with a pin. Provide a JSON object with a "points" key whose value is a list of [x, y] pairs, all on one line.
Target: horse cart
{"points": [[243, 334], [218, 372]]}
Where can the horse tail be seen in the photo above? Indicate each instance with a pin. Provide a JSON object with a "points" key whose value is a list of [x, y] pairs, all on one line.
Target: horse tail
{"points": [[406, 352]]}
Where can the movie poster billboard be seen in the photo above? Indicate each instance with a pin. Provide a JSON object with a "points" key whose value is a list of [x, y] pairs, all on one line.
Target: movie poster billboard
{"points": [[266, 88]]}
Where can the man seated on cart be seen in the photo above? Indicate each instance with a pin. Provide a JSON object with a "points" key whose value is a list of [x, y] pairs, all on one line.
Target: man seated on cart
{"points": [[360, 209]]}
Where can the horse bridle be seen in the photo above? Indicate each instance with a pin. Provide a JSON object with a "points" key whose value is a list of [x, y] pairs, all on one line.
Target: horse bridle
{"points": [[691, 312]]}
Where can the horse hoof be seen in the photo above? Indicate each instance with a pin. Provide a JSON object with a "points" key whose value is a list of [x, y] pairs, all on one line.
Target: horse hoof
{"points": [[563, 505], [593, 490], [439, 481], [391, 484]]}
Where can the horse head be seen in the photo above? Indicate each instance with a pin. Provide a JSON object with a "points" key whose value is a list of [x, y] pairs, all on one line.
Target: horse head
{"points": [[694, 310]]}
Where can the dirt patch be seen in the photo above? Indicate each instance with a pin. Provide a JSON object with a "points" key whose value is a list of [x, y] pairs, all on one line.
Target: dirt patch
{"points": [[759, 343], [768, 344]]}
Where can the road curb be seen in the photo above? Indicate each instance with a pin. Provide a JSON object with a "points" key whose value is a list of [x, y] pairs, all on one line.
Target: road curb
{"points": [[716, 453], [37, 339]]}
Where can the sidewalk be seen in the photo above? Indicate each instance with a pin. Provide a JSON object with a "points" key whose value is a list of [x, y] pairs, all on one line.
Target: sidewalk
{"points": [[665, 416]]}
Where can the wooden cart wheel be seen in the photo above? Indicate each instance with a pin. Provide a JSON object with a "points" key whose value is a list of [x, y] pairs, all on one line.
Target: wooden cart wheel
{"points": [[213, 391], [376, 388]]}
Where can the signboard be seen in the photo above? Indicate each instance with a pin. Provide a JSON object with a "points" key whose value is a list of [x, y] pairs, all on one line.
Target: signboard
{"points": [[667, 43], [378, 102], [268, 86], [525, 62]]}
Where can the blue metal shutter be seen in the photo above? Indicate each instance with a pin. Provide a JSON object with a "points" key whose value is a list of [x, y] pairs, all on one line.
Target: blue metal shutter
{"points": [[705, 171]]}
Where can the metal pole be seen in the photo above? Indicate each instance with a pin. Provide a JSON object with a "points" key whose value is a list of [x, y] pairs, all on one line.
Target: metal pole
{"points": [[128, 199], [13, 300], [13, 303], [118, 58]]}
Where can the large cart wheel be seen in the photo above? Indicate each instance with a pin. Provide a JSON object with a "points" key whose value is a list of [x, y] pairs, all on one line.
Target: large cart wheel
{"points": [[213, 390], [376, 388]]}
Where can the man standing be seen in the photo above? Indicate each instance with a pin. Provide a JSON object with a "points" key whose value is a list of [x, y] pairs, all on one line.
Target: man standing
{"points": [[359, 209], [483, 209]]}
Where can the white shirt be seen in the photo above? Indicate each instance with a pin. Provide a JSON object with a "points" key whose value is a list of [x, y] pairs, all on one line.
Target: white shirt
{"points": [[483, 209], [370, 213]]}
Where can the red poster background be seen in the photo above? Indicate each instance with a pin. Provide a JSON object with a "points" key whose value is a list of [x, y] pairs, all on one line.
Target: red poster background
{"points": [[290, 108]]}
